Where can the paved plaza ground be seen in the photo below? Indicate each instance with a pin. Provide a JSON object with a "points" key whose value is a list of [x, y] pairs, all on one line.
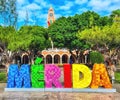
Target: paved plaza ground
{"points": [[58, 95]]}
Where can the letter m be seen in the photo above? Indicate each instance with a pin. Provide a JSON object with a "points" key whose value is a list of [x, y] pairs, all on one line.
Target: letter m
{"points": [[19, 77]]}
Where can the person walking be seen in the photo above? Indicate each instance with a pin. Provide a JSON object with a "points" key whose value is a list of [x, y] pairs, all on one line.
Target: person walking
{"points": [[111, 70]]}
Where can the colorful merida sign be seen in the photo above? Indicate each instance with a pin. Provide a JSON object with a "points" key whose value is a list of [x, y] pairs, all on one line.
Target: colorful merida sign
{"points": [[48, 75]]}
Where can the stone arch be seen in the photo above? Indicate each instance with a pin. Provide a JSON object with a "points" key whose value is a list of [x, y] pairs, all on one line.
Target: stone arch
{"points": [[17, 59], [72, 59], [64, 58], [57, 58], [48, 59], [25, 59]]}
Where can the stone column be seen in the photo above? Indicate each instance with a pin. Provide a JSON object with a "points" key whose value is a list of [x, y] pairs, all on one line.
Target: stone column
{"points": [[45, 60], [68, 59], [60, 60], [52, 59], [85, 59]]}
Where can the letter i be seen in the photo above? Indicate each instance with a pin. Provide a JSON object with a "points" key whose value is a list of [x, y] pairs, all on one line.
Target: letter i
{"points": [[67, 76]]}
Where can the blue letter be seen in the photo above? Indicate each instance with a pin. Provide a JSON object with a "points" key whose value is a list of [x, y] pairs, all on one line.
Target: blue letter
{"points": [[18, 78]]}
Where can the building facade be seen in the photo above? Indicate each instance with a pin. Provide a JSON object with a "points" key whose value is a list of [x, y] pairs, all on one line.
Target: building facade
{"points": [[57, 56]]}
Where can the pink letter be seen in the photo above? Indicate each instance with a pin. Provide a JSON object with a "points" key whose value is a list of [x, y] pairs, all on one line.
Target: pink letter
{"points": [[52, 75]]}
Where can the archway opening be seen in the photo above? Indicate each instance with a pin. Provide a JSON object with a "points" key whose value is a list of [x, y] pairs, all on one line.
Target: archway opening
{"points": [[25, 59], [17, 59], [48, 59], [56, 59], [65, 58]]}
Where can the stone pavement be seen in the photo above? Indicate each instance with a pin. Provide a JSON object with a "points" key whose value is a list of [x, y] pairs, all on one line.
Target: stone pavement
{"points": [[58, 95]]}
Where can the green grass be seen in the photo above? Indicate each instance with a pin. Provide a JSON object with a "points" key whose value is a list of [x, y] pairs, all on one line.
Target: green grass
{"points": [[117, 77], [3, 78]]}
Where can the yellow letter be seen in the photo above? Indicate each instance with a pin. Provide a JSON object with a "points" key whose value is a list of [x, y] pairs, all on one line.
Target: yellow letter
{"points": [[82, 80]]}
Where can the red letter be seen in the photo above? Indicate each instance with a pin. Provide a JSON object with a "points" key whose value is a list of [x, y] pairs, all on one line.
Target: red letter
{"points": [[67, 76]]}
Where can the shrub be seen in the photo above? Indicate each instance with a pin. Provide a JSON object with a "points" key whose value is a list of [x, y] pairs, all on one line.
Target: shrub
{"points": [[117, 77], [96, 57], [3, 77]]}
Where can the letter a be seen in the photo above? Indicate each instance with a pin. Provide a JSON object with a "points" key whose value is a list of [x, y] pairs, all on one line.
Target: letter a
{"points": [[100, 77]]}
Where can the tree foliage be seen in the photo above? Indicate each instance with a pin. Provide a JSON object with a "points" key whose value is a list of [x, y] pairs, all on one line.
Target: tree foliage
{"points": [[108, 36], [27, 38], [74, 32], [6, 34], [115, 12], [63, 33], [64, 30]]}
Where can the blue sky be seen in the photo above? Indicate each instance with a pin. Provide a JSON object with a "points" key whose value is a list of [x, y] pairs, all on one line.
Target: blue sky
{"points": [[38, 9]]}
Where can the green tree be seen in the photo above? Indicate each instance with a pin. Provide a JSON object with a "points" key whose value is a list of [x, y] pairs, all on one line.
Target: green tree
{"points": [[115, 12], [63, 31], [6, 34], [29, 38], [105, 20], [63, 34], [91, 36], [107, 36]]}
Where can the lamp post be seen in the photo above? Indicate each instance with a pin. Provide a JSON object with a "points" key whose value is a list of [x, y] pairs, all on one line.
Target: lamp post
{"points": [[51, 42]]}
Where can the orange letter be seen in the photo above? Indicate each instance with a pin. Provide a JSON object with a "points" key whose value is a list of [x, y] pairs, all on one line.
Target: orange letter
{"points": [[100, 77]]}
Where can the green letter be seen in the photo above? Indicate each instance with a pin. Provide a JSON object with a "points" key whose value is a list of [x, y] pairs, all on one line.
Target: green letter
{"points": [[37, 74]]}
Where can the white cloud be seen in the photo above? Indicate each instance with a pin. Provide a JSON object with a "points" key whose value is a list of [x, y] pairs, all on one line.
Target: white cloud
{"points": [[29, 8], [104, 5], [57, 16], [67, 6], [22, 2], [33, 6], [115, 1], [38, 8], [42, 16], [43, 3], [82, 10], [31, 20], [81, 1], [114, 7], [99, 4], [22, 15], [36, 11]]}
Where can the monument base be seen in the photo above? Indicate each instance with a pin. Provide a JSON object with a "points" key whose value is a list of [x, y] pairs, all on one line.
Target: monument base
{"points": [[101, 90]]}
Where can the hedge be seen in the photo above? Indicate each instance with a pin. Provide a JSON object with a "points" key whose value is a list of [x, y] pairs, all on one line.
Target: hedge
{"points": [[3, 77]]}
